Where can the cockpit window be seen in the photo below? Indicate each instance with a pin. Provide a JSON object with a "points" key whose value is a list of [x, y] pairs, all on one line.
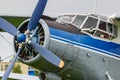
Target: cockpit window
{"points": [[110, 28], [65, 19], [106, 30], [90, 23], [79, 20], [115, 30], [102, 25], [68, 18], [99, 28]]}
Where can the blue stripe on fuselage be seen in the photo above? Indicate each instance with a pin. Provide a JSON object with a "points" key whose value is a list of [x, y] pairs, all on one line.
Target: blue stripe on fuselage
{"points": [[87, 42]]}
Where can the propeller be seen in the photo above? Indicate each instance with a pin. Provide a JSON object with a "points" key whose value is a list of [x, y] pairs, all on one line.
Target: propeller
{"points": [[37, 14], [48, 55], [25, 38], [5, 76], [6, 26]]}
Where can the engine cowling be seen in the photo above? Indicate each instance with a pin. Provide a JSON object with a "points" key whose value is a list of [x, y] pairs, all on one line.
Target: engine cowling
{"points": [[40, 35], [49, 76]]}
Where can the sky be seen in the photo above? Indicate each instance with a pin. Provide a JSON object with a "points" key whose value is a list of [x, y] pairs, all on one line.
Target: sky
{"points": [[6, 45], [58, 7], [53, 8]]}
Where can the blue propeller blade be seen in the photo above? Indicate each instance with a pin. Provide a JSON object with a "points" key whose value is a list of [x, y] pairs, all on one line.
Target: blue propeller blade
{"points": [[37, 14], [5, 76], [6, 26], [49, 56]]}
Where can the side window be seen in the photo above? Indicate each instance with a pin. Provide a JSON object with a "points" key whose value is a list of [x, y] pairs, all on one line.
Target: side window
{"points": [[110, 28], [90, 23], [115, 30], [101, 34], [102, 25], [106, 30]]}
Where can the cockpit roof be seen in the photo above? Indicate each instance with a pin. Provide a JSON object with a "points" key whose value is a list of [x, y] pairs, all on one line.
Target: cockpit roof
{"points": [[99, 17], [78, 19], [90, 15], [92, 24]]}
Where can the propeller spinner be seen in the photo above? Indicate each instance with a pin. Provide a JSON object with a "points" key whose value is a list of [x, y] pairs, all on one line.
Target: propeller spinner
{"points": [[25, 38]]}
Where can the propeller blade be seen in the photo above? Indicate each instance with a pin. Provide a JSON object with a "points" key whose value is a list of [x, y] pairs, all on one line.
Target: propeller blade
{"points": [[49, 56], [37, 14], [5, 76], [8, 27]]}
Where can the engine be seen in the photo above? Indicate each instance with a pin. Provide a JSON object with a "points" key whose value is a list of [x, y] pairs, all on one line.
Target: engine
{"points": [[40, 35]]}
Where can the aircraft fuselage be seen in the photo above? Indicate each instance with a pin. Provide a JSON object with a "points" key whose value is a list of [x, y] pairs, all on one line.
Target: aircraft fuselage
{"points": [[87, 54]]}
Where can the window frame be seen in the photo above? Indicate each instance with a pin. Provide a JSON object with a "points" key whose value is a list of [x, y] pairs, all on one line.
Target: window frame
{"points": [[111, 35], [77, 19]]}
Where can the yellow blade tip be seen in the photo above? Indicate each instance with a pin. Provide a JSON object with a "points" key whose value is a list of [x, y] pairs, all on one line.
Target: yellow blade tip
{"points": [[61, 64]]}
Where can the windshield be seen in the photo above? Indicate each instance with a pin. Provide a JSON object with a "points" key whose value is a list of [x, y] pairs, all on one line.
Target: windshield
{"points": [[75, 20], [90, 23], [65, 19], [79, 20]]}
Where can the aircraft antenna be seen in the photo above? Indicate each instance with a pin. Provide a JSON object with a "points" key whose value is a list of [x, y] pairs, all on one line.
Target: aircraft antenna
{"points": [[94, 7]]}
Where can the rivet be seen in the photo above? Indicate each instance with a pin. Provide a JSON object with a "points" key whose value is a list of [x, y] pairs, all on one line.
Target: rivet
{"points": [[104, 60], [89, 55]]}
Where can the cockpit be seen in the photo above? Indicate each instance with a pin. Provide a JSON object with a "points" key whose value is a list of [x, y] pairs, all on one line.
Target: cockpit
{"points": [[91, 24]]}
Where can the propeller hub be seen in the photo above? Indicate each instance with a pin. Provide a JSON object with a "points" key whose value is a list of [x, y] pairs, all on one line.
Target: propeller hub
{"points": [[21, 37]]}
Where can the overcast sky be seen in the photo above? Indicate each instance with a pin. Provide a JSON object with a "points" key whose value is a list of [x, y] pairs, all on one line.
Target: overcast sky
{"points": [[6, 45], [56, 7], [53, 8]]}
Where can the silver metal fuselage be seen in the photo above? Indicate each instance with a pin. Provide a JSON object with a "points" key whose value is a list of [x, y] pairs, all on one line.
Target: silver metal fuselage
{"points": [[86, 57], [85, 64]]}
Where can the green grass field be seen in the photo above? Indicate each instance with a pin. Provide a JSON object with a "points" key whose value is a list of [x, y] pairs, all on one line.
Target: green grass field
{"points": [[16, 21]]}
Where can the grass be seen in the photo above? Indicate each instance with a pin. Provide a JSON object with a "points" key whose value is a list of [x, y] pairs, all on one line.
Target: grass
{"points": [[16, 21]]}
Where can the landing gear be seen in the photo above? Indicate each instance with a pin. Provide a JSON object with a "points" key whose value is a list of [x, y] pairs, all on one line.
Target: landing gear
{"points": [[42, 76], [49, 76]]}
